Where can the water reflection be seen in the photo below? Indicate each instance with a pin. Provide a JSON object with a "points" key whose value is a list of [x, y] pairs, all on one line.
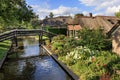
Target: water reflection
{"points": [[30, 49], [37, 68]]}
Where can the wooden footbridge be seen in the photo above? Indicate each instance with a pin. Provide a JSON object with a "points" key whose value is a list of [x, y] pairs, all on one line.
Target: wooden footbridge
{"points": [[13, 34]]}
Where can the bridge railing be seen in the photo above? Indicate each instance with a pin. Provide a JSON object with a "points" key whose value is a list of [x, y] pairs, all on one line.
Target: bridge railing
{"points": [[52, 34], [22, 32], [7, 35], [25, 32]]}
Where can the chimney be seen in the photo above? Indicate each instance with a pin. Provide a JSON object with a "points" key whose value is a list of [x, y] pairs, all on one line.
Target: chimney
{"points": [[90, 14]]}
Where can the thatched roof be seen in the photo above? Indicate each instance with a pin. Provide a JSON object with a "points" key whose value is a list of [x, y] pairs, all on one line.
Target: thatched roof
{"points": [[103, 22], [56, 21]]}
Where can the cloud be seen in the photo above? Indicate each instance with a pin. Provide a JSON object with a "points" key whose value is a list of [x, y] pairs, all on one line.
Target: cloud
{"points": [[107, 7], [86, 13], [112, 10], [90, 2], [61, 10]]}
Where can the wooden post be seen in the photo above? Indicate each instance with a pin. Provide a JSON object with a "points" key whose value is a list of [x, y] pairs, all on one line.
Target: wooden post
{"points": [[67, 33], [16, 41], [50, 37], [40, 38], [73, 33], [15, 38]]}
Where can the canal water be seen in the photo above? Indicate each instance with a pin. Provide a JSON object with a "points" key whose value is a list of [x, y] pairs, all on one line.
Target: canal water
{"points": [[31, 62]]}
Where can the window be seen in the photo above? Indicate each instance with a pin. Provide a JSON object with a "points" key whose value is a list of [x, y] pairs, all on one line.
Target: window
{"points": [[110, 21], [64, 20]]}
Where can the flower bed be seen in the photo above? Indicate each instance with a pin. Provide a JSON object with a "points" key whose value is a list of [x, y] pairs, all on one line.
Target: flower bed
{"points": [[86, 60]]}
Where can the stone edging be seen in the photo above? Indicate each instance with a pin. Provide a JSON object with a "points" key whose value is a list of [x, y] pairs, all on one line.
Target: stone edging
{"points": [[68, 71]]}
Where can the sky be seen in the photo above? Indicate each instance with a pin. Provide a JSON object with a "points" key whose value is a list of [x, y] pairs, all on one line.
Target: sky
{"points": [[71, 7]]}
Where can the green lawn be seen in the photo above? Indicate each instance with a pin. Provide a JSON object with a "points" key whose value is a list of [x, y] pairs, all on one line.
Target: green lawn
{"points": [[3, 48]]}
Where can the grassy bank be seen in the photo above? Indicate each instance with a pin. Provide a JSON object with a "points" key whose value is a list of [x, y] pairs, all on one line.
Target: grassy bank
{"points": [[4, 47]]}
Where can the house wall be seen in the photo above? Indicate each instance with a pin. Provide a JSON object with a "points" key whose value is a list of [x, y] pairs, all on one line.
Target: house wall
{"points": [[116, 42], [72, 30]]}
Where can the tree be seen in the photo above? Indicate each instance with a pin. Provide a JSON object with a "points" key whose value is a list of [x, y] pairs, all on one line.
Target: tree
{"points": [[46, 17], [51, 15], [117, 14], [78, 15], [13, 13]]}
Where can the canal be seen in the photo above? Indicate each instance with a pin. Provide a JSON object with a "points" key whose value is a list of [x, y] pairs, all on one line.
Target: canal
{"points": [[31, 62]]}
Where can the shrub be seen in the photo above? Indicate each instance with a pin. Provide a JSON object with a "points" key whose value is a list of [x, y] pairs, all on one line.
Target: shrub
{"points": [[59, 37], [93, 39], [60, 48], [47, 42], [53, 48], [58, 44], [58, 30]]}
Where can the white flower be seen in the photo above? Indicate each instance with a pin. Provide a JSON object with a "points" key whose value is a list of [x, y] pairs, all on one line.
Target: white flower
{"points": [[75, 56], [67, 57]]}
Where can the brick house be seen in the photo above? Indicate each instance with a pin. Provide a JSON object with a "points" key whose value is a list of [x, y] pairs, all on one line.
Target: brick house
{"points": [[109, 24], [97, 22], [72, 30]]}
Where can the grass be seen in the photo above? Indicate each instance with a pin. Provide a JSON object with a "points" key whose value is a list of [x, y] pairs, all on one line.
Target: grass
{"points": [[3, 48]]}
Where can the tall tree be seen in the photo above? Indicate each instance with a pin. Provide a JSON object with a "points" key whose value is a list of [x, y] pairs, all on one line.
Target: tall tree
{"points": [[51, 15], [46, 17], [117, 14], [14, 12], [78, 15]]}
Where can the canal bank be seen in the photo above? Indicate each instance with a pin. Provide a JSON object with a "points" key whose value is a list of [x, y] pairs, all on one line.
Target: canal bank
{"points": [[67, 70], [32, 68]]}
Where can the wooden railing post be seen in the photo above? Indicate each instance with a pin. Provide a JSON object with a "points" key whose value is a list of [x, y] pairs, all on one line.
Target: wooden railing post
{"points": [[15, 41], [50, 37], [40, 38]]}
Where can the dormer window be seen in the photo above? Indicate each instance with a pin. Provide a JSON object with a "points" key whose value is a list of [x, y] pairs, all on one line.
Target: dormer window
{"points": [[64, 20], [110, 21]]}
